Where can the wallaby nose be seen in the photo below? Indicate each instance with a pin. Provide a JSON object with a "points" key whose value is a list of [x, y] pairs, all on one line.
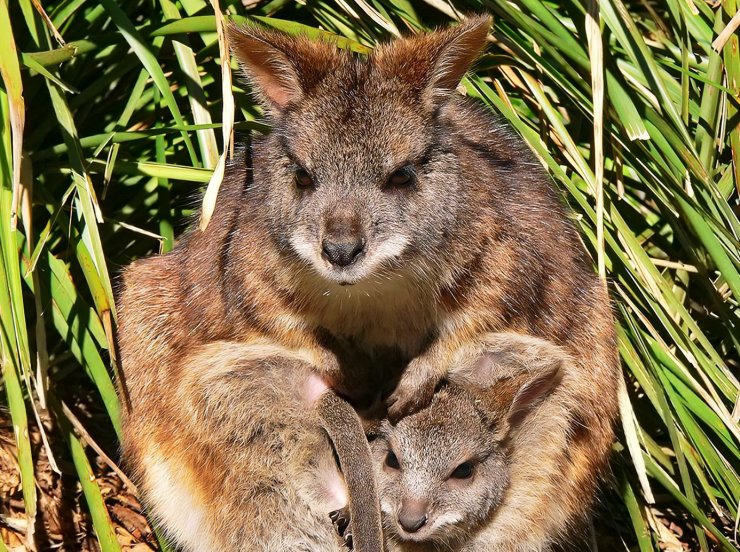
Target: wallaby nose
{"points": [[413, 515], [343, 253]]}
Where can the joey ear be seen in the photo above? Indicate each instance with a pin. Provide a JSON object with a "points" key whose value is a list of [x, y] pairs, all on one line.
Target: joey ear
{"points": [[504, 355], [435, 63], [533, 392], [281, 67]]}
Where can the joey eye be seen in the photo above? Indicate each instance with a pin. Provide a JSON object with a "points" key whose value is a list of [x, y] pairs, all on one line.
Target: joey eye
{"points": [[391, 460], [463, 471], [303, 179], [401, 178]]}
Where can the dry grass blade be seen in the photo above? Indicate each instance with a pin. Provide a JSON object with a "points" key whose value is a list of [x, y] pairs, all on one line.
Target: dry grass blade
{"points": [[727, 32], [11, 76], [596, 56], [209, 199]]}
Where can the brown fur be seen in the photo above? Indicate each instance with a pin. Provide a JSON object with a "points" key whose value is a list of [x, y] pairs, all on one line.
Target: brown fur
{"points": [[507, 407], [478, 243], [247, 463], [343, 427]]}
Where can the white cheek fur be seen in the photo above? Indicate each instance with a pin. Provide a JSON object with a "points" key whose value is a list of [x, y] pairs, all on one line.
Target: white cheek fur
{"points": [[389, 249], [304, 248], [447, 519], [386, 507]]}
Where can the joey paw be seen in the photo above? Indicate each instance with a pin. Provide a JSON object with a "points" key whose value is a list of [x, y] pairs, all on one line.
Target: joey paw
{"points": [[343, 524]]}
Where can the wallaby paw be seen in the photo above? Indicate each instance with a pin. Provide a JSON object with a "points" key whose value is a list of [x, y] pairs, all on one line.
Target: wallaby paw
{"points": [[411, 395], [343, 524]]}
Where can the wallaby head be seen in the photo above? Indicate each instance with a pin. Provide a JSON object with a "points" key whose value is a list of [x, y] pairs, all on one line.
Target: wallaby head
{"points": [[358, 176], [444, 470], [441, 470]]}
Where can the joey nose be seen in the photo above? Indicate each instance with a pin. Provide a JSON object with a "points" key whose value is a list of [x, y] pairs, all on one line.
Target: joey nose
{"points": [[344, 252], [413, 515]]}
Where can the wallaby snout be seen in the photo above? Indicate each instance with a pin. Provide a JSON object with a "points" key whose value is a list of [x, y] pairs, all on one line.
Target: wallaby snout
{"points": [[343, 240], [342, 253], [413, 515]]}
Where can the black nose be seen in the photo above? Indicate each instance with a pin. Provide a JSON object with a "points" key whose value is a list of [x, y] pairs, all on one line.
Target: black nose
{"points": [[412, 524], [343, 253]]}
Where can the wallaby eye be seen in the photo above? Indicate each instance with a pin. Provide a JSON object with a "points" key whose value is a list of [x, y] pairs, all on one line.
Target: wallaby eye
{"points": [[463, 471], [401, 178], [391, 460], [303, 179]]}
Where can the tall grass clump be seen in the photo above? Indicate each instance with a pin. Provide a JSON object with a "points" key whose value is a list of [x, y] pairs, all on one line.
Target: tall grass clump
{"points": [[113, 118]]}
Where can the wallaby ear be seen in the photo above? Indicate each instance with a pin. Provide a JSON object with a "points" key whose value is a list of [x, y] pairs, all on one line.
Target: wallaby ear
{"points": [[504, 355], [533, 392], [460, 47], [280, 67], [435, 63], [513, 373]]}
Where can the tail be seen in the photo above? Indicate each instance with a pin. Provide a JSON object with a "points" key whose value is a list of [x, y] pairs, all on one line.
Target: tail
{"points": [[344, 427]]}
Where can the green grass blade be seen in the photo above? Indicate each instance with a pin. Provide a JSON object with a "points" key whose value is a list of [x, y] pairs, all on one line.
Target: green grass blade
{"points": [[196, 94], [14, 353], [11, 76], [150, 63], [90, 489]]}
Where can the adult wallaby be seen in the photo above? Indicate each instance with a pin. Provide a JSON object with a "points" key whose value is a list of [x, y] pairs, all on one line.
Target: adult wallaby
{"points": [[383, 214], [250, 458]]}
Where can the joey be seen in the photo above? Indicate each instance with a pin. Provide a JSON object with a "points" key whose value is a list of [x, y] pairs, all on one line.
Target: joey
{"points": [[450, 474]]}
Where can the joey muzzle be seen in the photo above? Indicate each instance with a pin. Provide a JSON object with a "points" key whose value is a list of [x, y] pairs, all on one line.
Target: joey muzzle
{"points": [[413, 515]]}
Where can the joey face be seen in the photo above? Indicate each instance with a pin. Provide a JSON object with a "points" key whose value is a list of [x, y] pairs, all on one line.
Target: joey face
{"points": [[359, 193], [442, 471]]}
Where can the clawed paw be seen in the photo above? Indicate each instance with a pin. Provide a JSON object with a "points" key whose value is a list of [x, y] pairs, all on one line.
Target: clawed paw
{"points": [[410, 396], [343, 524]]}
